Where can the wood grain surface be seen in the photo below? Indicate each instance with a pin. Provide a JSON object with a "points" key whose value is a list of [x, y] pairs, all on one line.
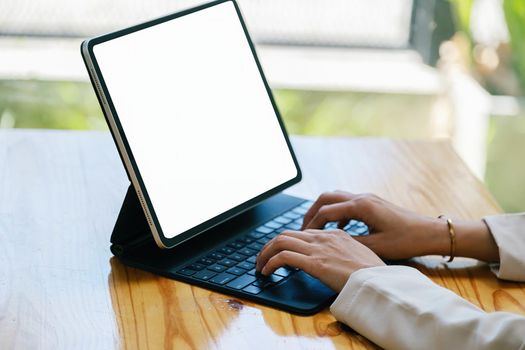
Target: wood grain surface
{"points": [[60, 288]]}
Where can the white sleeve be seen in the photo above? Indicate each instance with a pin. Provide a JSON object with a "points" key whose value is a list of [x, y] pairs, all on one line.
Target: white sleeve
{"points": [[397, 307], [509, 233]]}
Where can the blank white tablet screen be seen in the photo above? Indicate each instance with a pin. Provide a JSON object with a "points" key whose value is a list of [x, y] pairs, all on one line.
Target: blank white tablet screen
{"points": [[196, 115]]}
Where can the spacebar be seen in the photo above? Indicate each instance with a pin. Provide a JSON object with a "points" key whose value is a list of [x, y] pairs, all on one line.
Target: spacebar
{"points": [[241, 282]]}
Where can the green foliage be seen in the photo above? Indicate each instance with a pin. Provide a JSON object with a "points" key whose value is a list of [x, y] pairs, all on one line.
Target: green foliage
{"points": [[515, 16], [47, 104], [462, 11], [344, 113]]}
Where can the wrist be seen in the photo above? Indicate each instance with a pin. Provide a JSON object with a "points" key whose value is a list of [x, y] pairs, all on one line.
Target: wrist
{"points": [[438, 237], [473, 240], [476, 241]]}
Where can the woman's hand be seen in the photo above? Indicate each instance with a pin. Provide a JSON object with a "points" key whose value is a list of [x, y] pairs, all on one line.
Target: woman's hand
{"points": [[330, 256], [396, 233]]}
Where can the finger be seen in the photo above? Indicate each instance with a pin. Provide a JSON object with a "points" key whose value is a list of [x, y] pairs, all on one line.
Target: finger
{"points": [[315, 233], [280, 243], [337, 212], [299, 235], [287, 258], [342, 224], [312, 231], [324, 199]]}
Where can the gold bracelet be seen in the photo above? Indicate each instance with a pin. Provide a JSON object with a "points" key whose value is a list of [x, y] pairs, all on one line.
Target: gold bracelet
{"points": [[452, 234]]}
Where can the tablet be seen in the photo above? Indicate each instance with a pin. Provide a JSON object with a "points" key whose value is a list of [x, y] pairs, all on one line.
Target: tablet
{"points": [[193, 118]]}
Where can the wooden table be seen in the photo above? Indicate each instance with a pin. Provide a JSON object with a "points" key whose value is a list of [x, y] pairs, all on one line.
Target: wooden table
{"points": [[60, 193]]}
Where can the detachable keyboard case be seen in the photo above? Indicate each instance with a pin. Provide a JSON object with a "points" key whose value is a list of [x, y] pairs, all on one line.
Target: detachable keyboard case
{"points": [[133, 243]]}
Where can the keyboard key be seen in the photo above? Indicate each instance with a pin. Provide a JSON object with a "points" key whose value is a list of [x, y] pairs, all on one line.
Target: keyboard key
{"points": [[274, 279], [204, 275], [264, 229], [235, 245], [260, 282], [361, 230], [248, 252], [282, 271], [356, 228], [252, 289], [215, 256], [263, 282], [255, 246], [226, 250], [236, 271], [217, 268], [241, 282], [196, 267], [252, 259], [298, 221], [227, 262], [246, 265], [353, 223], [292, 215], [246, 239], [237, 257], [205, 261], [299, 210], [306, 204], [293, 226], [272, 235], [252, 272], [330, 226], [256, 235], [264, 240], [223, 278], [273, 225], [283, 220], [186, 272]]}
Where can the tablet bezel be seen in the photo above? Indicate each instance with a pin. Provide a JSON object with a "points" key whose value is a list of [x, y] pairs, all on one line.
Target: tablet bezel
{"points": [[123, 147]]}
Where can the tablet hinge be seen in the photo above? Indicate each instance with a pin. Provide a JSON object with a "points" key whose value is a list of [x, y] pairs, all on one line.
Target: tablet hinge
{"points": [[122, 248], [131, 229]]}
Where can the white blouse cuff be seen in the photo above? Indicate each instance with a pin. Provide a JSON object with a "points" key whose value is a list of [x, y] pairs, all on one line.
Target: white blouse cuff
{"points": [[509, 233]]}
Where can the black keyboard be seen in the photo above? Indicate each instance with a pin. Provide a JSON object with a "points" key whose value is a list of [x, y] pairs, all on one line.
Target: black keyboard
{"points": [[233, 263]]}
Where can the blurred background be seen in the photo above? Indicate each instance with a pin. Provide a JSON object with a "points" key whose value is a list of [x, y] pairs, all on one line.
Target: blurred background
{"points": [[420, 69]]}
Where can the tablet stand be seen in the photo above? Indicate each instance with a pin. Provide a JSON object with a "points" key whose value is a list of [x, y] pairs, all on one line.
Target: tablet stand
{"points": [[131, 229]]}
